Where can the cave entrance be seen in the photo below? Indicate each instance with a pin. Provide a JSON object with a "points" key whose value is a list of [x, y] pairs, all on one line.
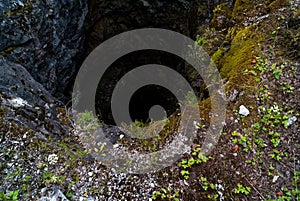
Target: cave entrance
{"points": [[146, 98]]}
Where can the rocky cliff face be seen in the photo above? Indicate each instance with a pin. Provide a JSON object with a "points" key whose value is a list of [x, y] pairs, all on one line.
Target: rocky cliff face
{"points": [[42, 43], [46, 37], [40, 47]]}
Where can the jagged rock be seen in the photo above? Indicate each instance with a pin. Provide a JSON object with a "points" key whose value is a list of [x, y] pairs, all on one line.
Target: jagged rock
{"points": [[27, 101], [46, 37]]}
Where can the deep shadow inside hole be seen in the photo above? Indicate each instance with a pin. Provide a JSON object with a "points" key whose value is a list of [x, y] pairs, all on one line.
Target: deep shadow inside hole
{"points": [[148, 96], [131, 61]]}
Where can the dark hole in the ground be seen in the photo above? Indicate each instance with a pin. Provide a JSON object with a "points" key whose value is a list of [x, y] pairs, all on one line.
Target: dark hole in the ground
{"points": [[148, 96]]}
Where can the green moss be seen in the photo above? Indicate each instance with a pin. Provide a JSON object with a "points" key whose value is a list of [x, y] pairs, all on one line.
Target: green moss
{"points": [[240, 6], [205, 108], [217, 56], [243, 49]]}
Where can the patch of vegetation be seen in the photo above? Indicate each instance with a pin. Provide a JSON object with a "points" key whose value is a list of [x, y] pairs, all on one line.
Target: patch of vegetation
{"points": [[11, 196], [242, 189], [196, 158], [166, 194]]}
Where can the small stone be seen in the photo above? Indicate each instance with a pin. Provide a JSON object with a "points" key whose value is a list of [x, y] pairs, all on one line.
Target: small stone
{"points": [[244, 111], [233, 95], [121, 136], [219, 187], [291, 121], [275, 178], [234, 154], [90, 174], [52, 159], [116, 146]]}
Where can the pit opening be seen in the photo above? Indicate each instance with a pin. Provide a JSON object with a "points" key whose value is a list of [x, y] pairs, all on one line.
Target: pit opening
{"points": [[148, 96]]}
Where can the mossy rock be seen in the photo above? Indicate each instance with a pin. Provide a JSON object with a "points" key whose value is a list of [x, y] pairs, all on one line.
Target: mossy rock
{"points": [[243, 49], [245, 8], [241, 6], [222, 16]]}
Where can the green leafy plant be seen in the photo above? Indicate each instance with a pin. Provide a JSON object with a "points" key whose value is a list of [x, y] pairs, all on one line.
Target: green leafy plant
{"points": [[277, 155], [69, 195], [87, 121], [15, 174], [49, 177], [206, 184], [201, 40], [11, 196], [238, 138], [213, 197], [196, 158], [262, 64], [242, 189], [166, 193], [185, 174]]}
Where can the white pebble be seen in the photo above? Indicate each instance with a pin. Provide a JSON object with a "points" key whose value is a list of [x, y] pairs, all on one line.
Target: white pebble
{"points": [[244, 111], [275, 178], [291, 121]]}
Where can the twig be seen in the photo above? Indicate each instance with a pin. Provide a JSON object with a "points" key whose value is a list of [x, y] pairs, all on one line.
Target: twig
{"points": [[261, 196]]}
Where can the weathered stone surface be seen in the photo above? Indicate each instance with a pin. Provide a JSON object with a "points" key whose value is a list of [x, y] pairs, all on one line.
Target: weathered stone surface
{"points": [[46, 37], [28, 102]]}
